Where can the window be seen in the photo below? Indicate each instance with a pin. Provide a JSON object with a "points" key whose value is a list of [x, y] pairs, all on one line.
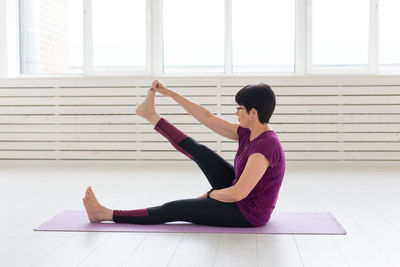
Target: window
{"points": [[340, 32], [51, 36], [75, 33], [389, 46], [156, 37], [263, 35], [119, 34], [193, 36]]}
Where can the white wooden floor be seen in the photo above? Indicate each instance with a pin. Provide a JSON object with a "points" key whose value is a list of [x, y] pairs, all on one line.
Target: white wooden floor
{"points": [[365, 199]]}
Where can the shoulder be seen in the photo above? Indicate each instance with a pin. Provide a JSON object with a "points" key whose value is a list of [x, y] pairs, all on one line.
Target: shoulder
{"points": [[269, 139], [270, 147], [241, 131], [265, 145]]}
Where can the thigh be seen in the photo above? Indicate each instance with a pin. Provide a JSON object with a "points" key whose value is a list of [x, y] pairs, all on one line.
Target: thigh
{"points": [[201, 211], [218, 171]]}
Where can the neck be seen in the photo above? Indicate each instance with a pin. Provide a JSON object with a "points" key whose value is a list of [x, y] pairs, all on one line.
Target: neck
{"points": [[258, 129]]}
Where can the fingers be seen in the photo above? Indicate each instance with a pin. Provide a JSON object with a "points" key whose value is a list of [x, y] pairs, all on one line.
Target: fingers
{"points": [[157, 85], [154, 84]]}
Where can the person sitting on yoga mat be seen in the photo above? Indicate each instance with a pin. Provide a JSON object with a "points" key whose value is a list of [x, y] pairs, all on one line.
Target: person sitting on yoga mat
{"points": [[243, 195]]}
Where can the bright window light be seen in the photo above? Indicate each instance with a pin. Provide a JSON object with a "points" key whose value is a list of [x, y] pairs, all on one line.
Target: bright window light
{"points": [[119, 34], [193, 36], [340, 32], [263, 35], [51, 36], [389, 45]]}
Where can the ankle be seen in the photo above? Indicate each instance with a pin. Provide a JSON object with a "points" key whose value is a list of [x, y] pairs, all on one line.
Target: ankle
{"points": [[107, 214], [153, 119]]}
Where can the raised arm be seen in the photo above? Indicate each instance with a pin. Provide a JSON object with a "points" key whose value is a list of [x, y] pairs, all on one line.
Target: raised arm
{"points": [[203, 115]]}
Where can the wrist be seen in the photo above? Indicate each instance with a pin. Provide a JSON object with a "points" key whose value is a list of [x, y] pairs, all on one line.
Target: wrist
{"points": [[209, 193]]}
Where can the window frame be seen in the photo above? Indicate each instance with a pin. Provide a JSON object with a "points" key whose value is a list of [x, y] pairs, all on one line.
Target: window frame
{"points": [[88, 58], [373, 39]]}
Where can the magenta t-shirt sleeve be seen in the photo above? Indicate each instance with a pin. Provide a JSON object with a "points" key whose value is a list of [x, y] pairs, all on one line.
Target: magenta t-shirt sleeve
{"points": [[268, 147], [242, 132]]}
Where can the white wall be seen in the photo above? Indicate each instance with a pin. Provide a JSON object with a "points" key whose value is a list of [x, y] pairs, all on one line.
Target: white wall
{"points": [[317, 118]]}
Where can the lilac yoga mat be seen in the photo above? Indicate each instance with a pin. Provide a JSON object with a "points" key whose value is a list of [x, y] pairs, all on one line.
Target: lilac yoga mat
{"points": [[280, 223]]}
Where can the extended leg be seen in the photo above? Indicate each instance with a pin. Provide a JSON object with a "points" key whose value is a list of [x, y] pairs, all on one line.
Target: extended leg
{"points": [[198, 211], [218, 171]]}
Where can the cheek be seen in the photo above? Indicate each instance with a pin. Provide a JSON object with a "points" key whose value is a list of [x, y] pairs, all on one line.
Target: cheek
{"points": [[243, 118]]}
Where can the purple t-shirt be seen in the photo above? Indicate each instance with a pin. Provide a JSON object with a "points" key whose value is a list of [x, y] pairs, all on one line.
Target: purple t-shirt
{"points": [[259, 204]]}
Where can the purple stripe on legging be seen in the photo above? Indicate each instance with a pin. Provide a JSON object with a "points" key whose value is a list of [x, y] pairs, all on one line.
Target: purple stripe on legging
{"points": [[130, 213], [173, 134]]}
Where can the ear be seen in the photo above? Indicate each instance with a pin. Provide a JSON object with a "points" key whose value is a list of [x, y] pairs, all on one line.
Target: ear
{"points": [[253, 112]]}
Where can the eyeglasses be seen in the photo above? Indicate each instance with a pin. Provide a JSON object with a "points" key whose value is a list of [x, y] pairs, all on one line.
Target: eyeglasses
{"points": [[239, 108]]}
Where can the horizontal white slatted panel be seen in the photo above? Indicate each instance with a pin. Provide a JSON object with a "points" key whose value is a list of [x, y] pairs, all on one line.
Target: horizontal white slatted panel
{"points": [[195, 128], [231, 147], [171, 155], [187, 119], [95, 119], [137, 137]]}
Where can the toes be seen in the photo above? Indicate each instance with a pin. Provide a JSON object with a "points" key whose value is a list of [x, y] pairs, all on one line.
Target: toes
{"points": [[89, 190], [89, 195]]}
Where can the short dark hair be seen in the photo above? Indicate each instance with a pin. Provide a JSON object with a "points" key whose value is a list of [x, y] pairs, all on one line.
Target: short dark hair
{"points": [[260, 97]]}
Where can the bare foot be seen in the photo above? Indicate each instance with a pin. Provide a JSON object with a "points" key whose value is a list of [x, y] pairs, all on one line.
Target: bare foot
{"points": [[147, 109], [94, 210]]}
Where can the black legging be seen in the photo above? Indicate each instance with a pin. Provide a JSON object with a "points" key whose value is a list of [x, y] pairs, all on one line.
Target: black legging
{"points": [[219, 173]]}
